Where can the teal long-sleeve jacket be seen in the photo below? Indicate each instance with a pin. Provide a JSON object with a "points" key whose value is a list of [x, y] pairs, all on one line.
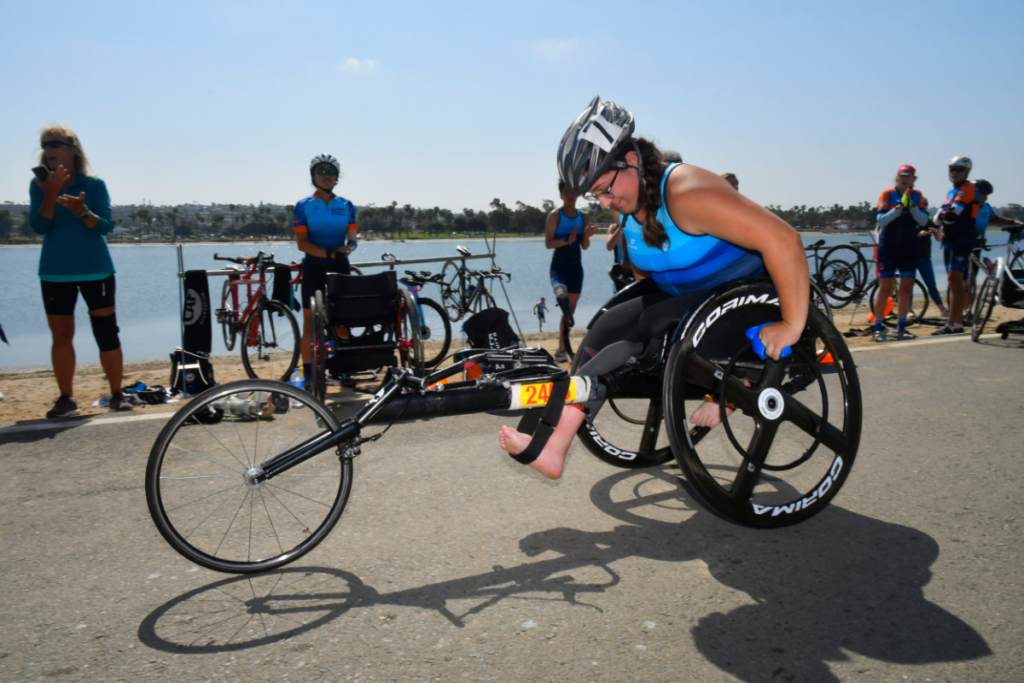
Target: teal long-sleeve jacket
{"points": [[72, 251]]}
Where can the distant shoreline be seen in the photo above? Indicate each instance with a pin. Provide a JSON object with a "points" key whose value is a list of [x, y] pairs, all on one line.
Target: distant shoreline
{"points": [[463, 238]]}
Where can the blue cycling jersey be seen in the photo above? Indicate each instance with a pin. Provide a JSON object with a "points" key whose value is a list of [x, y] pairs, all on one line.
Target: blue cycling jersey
{"points": [[687, 263], [570, 253], [984, 214], [327, 224]]}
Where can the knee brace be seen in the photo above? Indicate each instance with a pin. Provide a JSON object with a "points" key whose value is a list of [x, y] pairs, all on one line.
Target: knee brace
{"points": [[105, 331]]}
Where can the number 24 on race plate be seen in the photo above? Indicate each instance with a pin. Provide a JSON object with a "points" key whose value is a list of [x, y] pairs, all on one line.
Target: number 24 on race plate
{"points": [[538, 394]]}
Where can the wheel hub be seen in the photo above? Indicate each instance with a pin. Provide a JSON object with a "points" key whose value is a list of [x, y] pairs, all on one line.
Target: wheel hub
{"points": [[770, 403], [252, 476]]}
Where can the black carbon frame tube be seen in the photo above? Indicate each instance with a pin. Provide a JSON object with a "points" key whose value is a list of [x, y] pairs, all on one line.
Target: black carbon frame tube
{"points": [[442, 403]]}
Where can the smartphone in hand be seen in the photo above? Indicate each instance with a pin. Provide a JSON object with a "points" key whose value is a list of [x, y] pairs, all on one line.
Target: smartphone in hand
{"points": [[42, 173]]}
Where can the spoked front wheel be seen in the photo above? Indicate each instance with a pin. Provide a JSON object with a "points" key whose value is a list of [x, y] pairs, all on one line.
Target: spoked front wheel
{"points": [[916, 310], [790, 428], [203, 480], [984, 302], [435, 331]]}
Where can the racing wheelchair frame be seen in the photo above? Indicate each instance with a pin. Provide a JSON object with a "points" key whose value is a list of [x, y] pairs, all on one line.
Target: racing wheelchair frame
{"points": [[251, 475]]}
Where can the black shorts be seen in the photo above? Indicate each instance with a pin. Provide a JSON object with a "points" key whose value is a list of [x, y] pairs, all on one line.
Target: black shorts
{"points": [[314, 276], [898, 254], [60, 298]]}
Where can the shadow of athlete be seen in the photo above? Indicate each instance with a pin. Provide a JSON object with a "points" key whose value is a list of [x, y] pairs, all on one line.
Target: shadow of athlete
{"points": [[839, 582]]}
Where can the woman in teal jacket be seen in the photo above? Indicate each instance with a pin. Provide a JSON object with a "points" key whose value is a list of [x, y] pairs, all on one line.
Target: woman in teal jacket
{"points": [[71, 209]]}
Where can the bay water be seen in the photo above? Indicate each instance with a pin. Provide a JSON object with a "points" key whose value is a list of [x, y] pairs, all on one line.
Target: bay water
{"points": [[148, 297]]}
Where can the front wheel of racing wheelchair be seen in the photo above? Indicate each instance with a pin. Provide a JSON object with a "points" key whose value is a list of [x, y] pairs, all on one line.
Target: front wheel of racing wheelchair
{"points": [[786, 442]]}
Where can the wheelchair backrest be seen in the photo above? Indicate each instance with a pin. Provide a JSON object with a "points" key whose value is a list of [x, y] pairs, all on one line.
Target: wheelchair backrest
{"points": [[361, 300], [1011, 288]]}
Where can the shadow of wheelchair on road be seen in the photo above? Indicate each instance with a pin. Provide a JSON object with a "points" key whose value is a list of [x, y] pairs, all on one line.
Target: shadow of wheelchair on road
{"points": [[836, 583]]}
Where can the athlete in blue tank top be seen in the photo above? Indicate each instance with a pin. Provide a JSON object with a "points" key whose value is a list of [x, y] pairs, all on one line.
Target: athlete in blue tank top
{"points": [[687, 263], [568, 233], [688, 229]]}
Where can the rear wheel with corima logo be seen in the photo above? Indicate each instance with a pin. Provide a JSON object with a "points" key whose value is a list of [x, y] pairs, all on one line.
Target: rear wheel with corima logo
{"points": [[790, 428]]}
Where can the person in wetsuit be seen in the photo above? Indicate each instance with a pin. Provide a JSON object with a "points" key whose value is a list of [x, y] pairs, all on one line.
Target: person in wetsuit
{"points": [[686, 228]]}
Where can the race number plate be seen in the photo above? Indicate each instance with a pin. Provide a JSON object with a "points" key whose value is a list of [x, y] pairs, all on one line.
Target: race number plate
{"points": [[536, 395]]}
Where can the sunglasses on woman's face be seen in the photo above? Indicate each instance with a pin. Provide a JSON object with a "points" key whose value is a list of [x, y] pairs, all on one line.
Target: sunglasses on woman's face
{"points": [[53, 144], [327, 171]]}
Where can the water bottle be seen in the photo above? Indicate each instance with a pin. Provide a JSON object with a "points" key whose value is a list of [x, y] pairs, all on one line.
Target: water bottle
{"points": [[297, 380]]}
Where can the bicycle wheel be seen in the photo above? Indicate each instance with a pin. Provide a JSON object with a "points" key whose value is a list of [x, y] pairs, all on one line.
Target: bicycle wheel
{"points": [[226, 315], [630, 434], [318, 347], [201, 478], [820, 301], [1017, 262], [483, 301], [452, 295], [790, 444], [983, 305], [270, 342], [840, 281], [435, 332], [854, 258], [410, 342]]}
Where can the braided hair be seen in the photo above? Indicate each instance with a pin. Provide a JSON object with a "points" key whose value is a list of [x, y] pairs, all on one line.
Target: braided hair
{"points": [[651, 162]]}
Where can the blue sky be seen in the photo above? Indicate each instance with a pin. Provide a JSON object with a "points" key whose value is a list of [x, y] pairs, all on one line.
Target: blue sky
{"points": [[452, 104]]}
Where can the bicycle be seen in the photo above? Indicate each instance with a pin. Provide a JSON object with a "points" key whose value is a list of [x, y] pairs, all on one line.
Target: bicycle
{"points": [[270, 348], [824, 278], [434, 324], [1003, 285], [251, 475], [460, 294]]}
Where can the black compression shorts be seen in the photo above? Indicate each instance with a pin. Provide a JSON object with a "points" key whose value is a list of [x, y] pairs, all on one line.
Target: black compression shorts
{"points": [[314, 276], [60, 298]]}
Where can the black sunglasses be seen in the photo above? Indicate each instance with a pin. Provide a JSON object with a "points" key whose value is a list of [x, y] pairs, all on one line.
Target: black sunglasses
{"points": [[327, 171], [53, 144]]}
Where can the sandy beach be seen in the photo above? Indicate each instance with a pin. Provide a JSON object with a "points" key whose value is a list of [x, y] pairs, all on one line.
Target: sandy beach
{"points": [[29, 393]]}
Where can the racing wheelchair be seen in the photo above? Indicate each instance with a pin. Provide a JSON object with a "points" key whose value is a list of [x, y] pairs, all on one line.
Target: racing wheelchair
{"points": [[1004, 286], [380, 318], [258, 487]]}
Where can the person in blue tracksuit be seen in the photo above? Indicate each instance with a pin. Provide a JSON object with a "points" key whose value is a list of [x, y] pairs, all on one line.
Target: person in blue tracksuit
{"points": [[688, 231]]}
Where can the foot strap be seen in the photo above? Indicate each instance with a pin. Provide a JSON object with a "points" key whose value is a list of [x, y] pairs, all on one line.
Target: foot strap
{"points": [[541, 423]]}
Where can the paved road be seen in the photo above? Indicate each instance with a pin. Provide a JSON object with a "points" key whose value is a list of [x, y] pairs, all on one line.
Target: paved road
{"points": [[453, 563]]}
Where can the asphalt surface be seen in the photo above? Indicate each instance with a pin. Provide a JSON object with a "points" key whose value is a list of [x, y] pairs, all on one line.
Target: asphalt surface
{"points": [[453, 563]]}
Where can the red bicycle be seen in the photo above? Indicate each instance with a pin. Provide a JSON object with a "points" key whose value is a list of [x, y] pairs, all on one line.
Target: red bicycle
{"points": [[268, 328]]}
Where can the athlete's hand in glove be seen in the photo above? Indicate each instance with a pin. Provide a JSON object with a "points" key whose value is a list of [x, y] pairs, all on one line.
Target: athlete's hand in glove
{"points": [[776, 339], [340, 255]]}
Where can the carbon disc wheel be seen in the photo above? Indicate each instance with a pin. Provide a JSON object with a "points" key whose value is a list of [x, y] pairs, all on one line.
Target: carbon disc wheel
{"points": [[790, 428]]}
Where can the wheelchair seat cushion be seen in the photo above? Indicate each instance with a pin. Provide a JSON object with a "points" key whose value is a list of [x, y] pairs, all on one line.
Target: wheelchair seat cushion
{"points": [[360, 300]]}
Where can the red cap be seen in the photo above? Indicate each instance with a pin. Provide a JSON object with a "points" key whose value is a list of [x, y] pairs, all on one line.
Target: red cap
{"points": [[907, 169]]}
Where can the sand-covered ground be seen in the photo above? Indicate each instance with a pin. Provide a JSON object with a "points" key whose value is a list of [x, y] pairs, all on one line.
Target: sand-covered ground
{"points": [[28, 394]]}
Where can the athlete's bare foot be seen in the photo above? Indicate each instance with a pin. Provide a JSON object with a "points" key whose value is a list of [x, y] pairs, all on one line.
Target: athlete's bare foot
{"points": [[708, 415], [551, 460]]}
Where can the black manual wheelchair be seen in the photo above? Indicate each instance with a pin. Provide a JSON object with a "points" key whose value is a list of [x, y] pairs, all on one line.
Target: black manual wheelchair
{"points": [[380, 318], [264, 485]]}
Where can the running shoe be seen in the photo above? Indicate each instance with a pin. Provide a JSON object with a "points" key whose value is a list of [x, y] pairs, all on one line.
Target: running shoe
{"points": [[65, 406], [904, 336], [943, 312], [118, 403], [881, 336], [561, 357], [947, 330]]}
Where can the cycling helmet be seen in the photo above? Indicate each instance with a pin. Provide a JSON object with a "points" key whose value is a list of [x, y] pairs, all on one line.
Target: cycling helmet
{"points": [[591, 144], [325, 159], [983, 186], [962, 161]]}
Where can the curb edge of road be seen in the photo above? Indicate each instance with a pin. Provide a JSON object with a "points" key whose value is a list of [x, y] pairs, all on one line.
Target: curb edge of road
{"points": [[15, 428]]}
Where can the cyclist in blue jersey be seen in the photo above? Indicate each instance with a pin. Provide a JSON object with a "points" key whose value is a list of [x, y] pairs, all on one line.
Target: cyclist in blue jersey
{"points": [[568, 232], [986, 216], [540, 310], [325, 230], [958, 218], [690, 232]]}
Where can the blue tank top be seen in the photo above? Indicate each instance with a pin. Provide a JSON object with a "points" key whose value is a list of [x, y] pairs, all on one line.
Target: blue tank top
{"points": [[570, 253], [687, 263]]}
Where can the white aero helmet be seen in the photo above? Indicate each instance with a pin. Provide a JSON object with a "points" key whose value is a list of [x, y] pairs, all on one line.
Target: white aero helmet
{"points": [[325, 159], [962, 161], [592, 142]]}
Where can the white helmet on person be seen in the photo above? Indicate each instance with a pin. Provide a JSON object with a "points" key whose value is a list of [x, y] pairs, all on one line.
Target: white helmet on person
{"points": [[592, 142], [962, 161], [325, 159]]}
